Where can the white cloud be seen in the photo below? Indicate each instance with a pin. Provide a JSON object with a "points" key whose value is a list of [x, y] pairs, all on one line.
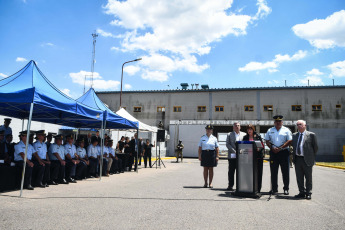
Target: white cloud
{"points": [[107, 34], [131, 69], [271, 66], [177, 31], [128, 86], [66, 91], [324, 33], [155, 76], [47, 44], [273, 82], [337, 69], [3, 75], [21, 59], [314, 72], [98, 81], [313, 81]]}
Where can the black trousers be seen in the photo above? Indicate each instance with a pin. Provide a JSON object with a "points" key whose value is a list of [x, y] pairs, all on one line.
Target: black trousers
{"points": [[57, 171], [104, 167], [132, 160], [70, 169], [139, 158], [304, 171], [93, 166], [80, 170], [231, 171], [145, 159], [117, 165], [38, 173], [28, 173], [259, 169], [280, 159]]}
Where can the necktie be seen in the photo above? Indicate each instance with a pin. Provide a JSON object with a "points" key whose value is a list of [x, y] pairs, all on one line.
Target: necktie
{"points": [[299, 144]]}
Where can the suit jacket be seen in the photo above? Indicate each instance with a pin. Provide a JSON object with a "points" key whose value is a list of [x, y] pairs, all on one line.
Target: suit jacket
{"points": [[309, 146], [231, 142], [132, 145]]}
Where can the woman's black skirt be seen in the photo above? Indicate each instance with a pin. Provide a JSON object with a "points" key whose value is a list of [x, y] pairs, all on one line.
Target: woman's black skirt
{"points": [[208, 158]]}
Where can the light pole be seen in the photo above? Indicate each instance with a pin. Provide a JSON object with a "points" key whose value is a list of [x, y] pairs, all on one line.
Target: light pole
{"points": [[138, 59]]}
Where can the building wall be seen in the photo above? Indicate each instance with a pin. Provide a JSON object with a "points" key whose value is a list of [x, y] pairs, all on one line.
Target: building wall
{"points": [[328, 124]]}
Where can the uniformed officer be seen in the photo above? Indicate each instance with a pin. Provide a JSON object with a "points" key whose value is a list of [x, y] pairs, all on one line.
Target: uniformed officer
{"points": [[3, 153], [278, 139], [57, 156], [6, 127], [82, 157], [38, 172], [208, 154], [92, 153], [71, 161], [41, 161], [105, 160], [179, 150], [106, 156], [19, 155], [49, 139], [117, 162]]}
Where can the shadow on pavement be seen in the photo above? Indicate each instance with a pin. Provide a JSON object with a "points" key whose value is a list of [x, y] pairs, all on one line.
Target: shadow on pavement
{"points": [[193, 187]]}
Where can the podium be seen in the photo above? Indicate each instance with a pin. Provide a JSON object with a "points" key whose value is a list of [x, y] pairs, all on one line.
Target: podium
{"points": [[246, 171]]}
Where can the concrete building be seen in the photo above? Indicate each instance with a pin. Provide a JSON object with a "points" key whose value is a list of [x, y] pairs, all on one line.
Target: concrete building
{"points": [[185, 113]]}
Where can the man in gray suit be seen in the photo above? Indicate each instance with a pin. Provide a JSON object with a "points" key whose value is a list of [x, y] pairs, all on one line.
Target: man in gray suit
{"points": [[235, 135], [304, 152]]}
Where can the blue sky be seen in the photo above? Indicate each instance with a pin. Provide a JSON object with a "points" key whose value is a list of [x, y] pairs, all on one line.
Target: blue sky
{"points": [[247, 43]]}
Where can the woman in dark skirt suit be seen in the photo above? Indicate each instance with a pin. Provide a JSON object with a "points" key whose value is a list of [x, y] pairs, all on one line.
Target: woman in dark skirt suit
{"points": [[259, 152], [208, 154]]}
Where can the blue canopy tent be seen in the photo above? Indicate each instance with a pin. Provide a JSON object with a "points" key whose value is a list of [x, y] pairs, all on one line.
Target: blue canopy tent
{"points": [[112, 120], [28, 94]]}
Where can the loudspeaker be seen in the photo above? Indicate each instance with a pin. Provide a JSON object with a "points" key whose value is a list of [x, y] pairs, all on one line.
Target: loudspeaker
{"points": [[161, 135]]}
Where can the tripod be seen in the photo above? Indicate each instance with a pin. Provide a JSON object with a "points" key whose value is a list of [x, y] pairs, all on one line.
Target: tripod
{"points": [[158, 160]]}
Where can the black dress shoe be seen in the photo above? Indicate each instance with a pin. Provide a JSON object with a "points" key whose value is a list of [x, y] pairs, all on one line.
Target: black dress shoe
{"points": [[29, 187], [300, 195], [41, 185], [230, 188], [71, 180], [63, 181], [286, 192], [47, 185], [53, 183], [308, 196], [273, 192]]}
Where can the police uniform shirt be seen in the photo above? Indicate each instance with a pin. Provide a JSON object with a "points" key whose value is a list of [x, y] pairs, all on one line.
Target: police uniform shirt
{"points": [[41, 149], [208, 143], [112, 151], [7, 130], [81, 152], [71, 150], [92, 151], [54, 148], [278, 138], [106, 151], [20, 148]]}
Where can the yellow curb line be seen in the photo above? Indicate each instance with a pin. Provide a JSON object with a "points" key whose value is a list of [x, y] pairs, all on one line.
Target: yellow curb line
{"points": [[330, 166]]}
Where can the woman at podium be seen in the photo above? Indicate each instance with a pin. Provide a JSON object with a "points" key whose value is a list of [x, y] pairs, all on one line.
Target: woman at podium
{"points": [[259, 152]]}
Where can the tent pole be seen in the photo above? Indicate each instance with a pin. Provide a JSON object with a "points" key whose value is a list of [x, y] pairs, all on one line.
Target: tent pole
{"points": [[102, 148], [136, 162], [22, 124], [26, 148]]}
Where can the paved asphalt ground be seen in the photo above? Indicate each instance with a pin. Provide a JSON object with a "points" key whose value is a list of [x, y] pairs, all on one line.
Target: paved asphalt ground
{"points": [[172, 198]]}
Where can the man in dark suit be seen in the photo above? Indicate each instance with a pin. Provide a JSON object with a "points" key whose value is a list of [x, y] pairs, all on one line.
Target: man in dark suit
{"points": [[133, 155], [304, 152], [232, 137]]}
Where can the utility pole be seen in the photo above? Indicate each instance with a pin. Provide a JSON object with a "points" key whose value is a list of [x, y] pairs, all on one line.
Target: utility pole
{"points": [[94, 36]]}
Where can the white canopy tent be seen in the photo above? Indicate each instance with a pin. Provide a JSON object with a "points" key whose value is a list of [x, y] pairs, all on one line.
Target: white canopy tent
{"points": [[142, 126]]}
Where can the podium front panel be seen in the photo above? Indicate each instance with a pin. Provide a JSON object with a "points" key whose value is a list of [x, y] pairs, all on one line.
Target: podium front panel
{"points": [[245, 168]]}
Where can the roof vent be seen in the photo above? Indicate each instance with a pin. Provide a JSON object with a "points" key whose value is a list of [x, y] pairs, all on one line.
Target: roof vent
{"points": [[184, 85], [204, 87]]}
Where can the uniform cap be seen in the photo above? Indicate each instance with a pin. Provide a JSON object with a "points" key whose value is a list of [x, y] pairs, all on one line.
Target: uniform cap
{"points": [[60, 136], [70, 136], [40, 132], [8, 119], [110, 141], [209, 127], [93, 139], [278, 117], [80, 140], [51, 134]]}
